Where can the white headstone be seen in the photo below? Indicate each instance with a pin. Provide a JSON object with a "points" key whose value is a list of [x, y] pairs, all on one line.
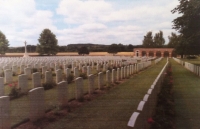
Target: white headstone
{"points": [[37, 103], [62, 89], [4, 112]]}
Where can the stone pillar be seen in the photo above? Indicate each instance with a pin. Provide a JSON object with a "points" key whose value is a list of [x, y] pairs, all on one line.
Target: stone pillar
{"points": [[154, 54], [147, 54], [37, 103], [5, 112], [170, 54], [162, 54]]}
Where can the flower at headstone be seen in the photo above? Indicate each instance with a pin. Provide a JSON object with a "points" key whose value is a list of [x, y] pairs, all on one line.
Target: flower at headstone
{"points": [[150, 120]]}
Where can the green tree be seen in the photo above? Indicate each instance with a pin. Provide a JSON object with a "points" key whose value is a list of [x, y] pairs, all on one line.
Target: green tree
{"points": [[83, 50], [130, 48], [159, 41], [121, 47], [188, 25], [174, 40], [148, 40], [4, 43], [48, 44], [113, 49]]}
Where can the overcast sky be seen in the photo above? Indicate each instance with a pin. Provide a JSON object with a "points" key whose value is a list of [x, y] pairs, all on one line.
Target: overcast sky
{"points": [[85, 21]]}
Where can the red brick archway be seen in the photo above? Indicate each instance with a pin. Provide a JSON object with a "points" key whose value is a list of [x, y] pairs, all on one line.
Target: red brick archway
{"points": [[138, 51]]}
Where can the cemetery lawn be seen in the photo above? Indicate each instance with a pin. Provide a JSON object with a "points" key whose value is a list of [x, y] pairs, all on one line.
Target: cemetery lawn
{"points": [[193, 61], [187, 97], [113, 109]]}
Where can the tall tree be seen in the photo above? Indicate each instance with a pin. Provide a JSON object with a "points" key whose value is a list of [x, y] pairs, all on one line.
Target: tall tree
{"points": [[48, 44], [159, 41], [113, 49], [83, 50], [4, 43], [188, 25], [174, 40], [148, 40]]}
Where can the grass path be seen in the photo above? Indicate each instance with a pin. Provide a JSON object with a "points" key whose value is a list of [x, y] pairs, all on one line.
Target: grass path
{"points": [[187, 97], [113, 109]]}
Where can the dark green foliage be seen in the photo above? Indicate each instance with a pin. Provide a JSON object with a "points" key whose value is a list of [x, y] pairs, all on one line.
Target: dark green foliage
{"points": [[148, 40], [174, 40], [48, 86], [69, 66], [48, 43], [34, 70], [83, 51], [191, 57], [159, 41], [14, 91], [2, 74], [153, 42], [70, 78], [3, 43], [83, 75], [188, 25], [113, 48]]}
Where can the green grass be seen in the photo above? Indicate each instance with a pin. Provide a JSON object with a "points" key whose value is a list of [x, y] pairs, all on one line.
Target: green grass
{"points": [[20, 106], [187, 95], [113, 109], [193, 61]]}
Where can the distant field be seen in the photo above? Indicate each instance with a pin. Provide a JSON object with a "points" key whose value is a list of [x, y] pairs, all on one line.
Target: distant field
{"points": [[76, 54]]}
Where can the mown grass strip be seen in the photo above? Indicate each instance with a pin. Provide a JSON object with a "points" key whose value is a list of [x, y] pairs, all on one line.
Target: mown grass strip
{"points": [[187, 95], [113, 109]]}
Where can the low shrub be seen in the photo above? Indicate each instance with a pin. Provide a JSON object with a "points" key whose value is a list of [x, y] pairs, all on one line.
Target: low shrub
{"points": [[2, 74], [70, 78], [34, 70], [191, 57], [83, 75], [14, 91], [70, 66], [48, 86]]}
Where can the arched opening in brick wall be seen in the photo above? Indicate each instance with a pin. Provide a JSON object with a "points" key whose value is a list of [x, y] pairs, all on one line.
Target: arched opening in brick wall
{"points": [[144, 53], [166, 54], [153, 52], [158, 54]]}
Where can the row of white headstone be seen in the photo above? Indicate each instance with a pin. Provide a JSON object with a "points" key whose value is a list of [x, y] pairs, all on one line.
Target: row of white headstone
{"points": [[191, 67], [145, 107], [36, 95]]}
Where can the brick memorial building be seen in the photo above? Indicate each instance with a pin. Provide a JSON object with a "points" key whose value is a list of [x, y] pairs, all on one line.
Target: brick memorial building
{"points": [[154, 52]]}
